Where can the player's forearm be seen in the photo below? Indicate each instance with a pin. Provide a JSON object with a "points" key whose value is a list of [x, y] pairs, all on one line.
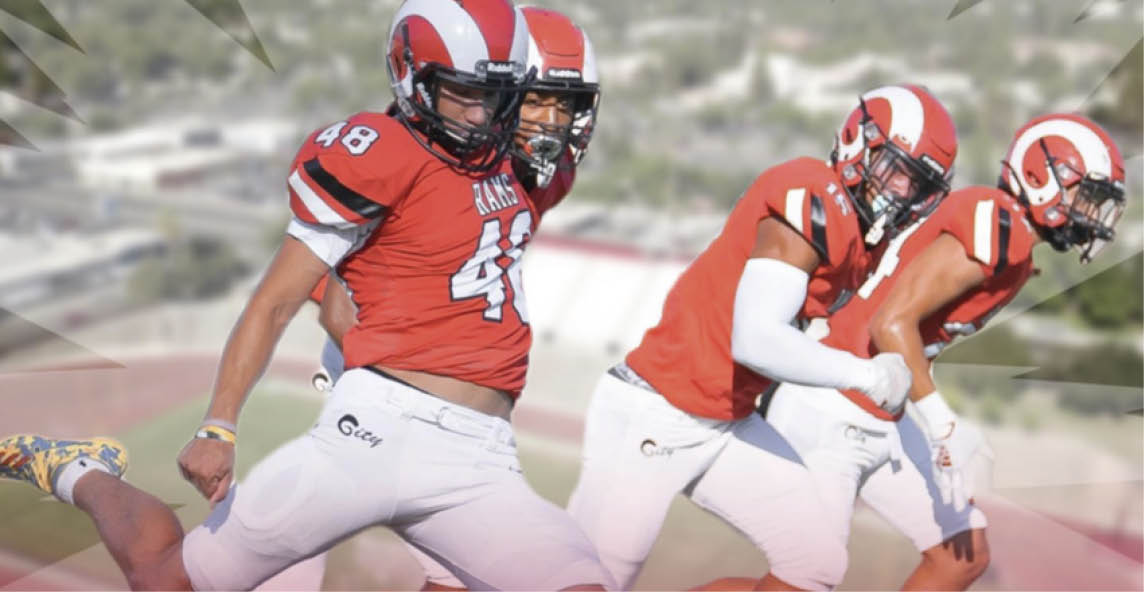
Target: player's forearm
{"points": [[901, 335], [786, 354], [770, 294], [247, 354]]}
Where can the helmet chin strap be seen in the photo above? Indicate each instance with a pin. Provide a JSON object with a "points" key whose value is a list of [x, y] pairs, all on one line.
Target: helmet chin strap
{"points": [[883, 211]]}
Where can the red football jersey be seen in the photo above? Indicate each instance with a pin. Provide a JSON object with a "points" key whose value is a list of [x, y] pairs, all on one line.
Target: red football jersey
{"points": [[992, 228], [438, 283], [687, 356]]}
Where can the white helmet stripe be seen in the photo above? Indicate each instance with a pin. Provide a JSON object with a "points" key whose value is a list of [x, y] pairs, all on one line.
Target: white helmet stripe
{"points": [[456, 28], [590, 74], [534, 59], [1092, 151], [907, 117], [521, 38]]}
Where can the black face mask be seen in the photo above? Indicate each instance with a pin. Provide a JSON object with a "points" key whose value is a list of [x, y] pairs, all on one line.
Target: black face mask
{"points": [[895, 207]]}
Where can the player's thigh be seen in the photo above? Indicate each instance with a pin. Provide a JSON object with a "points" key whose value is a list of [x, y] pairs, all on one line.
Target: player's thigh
{"points": [[906, 494], [303, 576], [759, 485], [638, 452], [832, 448], [507, 537], [301, 499]]}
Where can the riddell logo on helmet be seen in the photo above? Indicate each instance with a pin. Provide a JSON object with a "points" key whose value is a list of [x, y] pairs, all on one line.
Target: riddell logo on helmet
{"points": [[935, 165], [487, 68], [563, 74]]}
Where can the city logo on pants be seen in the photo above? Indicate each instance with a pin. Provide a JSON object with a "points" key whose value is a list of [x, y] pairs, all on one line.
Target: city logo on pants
{"points": [[348, 425], [650, 448]]}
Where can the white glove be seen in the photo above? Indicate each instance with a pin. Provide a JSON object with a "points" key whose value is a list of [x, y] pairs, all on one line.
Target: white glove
{"points": [[954, 444], [890, 382]]}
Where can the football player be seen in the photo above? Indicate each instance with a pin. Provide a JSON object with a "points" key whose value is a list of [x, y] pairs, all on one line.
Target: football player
{"points": [[1062, 182], [557, 117], [415, 434], [678, 414]]}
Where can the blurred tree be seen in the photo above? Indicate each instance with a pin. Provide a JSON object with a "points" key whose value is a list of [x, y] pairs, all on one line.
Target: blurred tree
{"points": [[996, 345], [1114, 298], [1127, 111], [193, 269]]}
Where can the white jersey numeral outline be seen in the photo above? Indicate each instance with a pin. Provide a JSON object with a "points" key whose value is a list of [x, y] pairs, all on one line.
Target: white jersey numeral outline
{"points": [[889, 262], [481, 275]]}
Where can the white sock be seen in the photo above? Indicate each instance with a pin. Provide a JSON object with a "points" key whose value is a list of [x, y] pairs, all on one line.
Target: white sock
{"points": [[70, 474]]}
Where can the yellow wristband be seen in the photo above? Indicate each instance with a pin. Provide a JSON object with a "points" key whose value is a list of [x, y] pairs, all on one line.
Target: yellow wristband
{"points": [[212, 432]]}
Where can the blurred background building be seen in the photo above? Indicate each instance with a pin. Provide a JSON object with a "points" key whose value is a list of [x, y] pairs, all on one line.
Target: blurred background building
{"points": [[141, 194]]}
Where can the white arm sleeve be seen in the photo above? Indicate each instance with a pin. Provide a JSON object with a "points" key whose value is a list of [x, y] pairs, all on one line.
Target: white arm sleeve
{"points": [[328, 243], [769, 296]]}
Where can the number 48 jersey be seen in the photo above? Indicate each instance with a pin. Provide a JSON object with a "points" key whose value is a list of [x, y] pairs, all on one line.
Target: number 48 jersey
{"points": [[430, 254], [992, 228]]}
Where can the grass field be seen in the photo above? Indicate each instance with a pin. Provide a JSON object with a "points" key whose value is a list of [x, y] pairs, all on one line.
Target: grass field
{"points": [[694, 547]]}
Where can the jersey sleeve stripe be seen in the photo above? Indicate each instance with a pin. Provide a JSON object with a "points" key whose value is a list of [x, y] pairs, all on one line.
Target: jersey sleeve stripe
{"points": [[311, 202], [298, 207], [818, 227], [983, 231], [1004, 225], [793, 213], [352, 200]]}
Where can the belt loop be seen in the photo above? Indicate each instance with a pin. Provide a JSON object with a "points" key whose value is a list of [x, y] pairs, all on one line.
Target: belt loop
{"points": [[396, 399]]}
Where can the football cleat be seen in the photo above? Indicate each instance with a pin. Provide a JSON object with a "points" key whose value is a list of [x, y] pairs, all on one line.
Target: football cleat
{"points": [[38, 460]]}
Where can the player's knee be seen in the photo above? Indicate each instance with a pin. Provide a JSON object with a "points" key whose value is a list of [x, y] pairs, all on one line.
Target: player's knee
{"points": [[979, 564], [962, 559], [820, 566], [158, 570]]}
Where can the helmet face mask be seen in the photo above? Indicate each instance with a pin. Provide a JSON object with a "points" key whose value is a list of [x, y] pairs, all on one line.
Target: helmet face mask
{"points": [[473, 144], [1091, 208], [899, 189], [554, 122]]}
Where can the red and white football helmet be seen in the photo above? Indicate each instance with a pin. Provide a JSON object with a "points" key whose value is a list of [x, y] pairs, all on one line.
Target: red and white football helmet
{"points": [[477, 44], [565, 65], [1050, 156], [895, 155]]}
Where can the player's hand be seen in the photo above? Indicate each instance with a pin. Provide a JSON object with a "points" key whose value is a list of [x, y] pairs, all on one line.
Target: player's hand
{"points": [[209, 466], [955, 444], [891, 382]]}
